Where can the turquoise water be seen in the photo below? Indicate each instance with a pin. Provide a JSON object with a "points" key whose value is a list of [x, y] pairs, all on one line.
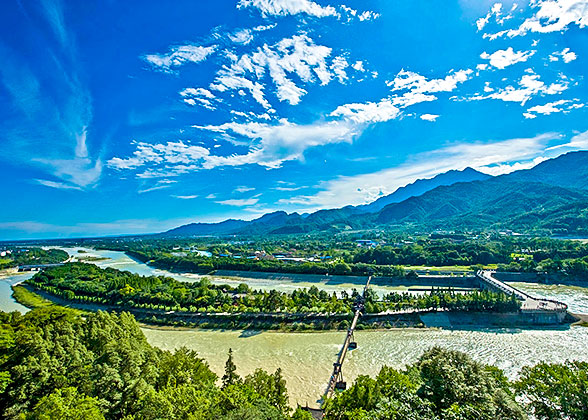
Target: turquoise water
{"points": [[7, 302]]}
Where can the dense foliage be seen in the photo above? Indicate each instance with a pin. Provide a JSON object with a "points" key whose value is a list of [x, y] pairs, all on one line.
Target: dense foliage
{"points": [[555, 391], [390, 255], [91, 284], [449, 385], [56, 364], [442, 384], [31, 256]]}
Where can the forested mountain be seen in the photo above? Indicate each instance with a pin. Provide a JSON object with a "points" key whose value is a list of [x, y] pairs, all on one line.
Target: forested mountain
{"points": [[567, 171], [421, 186], [551, 197], [500, 202]]}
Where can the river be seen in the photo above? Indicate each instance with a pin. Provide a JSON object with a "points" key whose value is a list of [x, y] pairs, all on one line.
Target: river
{"points": [[306, 358]]}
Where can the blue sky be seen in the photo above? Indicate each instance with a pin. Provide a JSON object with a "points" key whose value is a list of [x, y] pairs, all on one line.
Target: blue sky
{"points": [[137, 116]]}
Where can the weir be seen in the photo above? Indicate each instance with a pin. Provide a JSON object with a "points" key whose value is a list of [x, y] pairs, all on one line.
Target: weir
{"points": [[529, 303]]}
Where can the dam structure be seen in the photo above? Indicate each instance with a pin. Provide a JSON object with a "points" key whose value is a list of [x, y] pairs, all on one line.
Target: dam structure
{"points": [[534, 310]]}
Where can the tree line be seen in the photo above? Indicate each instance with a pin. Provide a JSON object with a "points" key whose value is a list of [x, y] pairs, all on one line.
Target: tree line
{"points": [[90, 284], [32, 256]]}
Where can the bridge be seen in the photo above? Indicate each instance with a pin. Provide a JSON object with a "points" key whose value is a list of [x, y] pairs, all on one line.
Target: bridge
{"points": [[528, 302], [37, 267], [336, 380]]}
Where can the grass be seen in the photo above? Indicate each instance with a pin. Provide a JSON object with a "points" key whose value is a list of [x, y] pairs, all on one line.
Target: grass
{"points": [[29, 299]]}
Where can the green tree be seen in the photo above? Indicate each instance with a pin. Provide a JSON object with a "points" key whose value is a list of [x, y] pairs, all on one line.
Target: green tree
{"points": [[555, 391], [230, 377], [271, 387], [66, 404]]}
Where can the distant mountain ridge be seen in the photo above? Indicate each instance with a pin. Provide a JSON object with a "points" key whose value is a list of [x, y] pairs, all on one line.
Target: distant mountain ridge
{"points": [[421, 186], [551, 196]]}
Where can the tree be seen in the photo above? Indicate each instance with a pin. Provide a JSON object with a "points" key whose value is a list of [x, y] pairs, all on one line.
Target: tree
{"points": [[66, 404], [271, 387], [555, 391], [452, 381], [230, 377], [301, 414]]}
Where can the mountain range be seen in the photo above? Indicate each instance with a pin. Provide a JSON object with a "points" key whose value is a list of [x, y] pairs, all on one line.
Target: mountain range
{"points": [[551, 197]]}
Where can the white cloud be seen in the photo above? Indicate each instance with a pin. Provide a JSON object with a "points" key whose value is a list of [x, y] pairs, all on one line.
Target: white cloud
{"points": [[153, 188], [566, 55], [296, 56], [57, 184], [226, 81], [529, 85], [369, 112], [308, 7], [48, 122], [368, 15], [504, 58], [178, 56], [365, 188], [239, 202], [550, 16], [272, 145], [429, 117], [338, 67], [288, 7], [358, 66], [269, 145], [506, 168], [79, 171], [288, 188], [200, 96], [417, 90], [411, 98], [408, 80], [563, 105], [169, 159], [185, 197], [244, 189], [495, 11], [244, 36], [578, 142]]}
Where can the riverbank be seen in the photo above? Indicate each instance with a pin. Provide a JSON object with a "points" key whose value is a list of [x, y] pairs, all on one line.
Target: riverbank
{"points": [[28, 298], [8, 272], [309, 321], [292, 322]]}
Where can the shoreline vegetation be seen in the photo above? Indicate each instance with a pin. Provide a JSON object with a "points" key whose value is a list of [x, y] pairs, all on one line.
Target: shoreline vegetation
{"points": [[163, 300]]}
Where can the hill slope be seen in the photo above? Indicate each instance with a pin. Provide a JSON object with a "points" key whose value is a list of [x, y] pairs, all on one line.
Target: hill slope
{"points": [[422, 186], [499, 203]]}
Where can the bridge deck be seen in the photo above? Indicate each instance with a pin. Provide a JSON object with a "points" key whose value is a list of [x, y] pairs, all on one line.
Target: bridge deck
{"points": [[529, 303], [336, 375]]}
